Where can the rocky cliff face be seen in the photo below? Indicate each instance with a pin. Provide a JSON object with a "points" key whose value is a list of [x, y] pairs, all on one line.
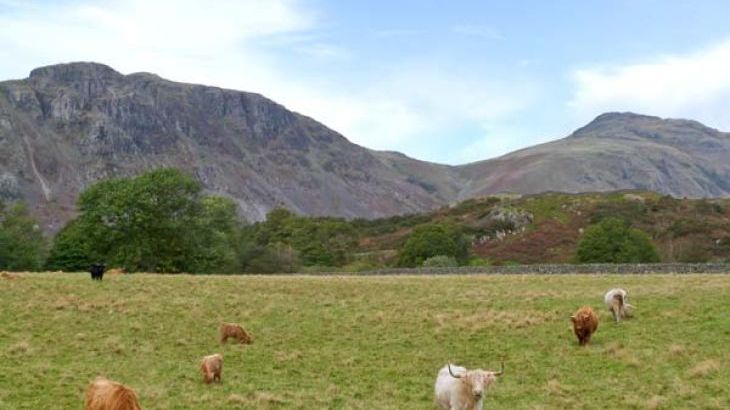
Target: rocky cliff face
{"points": [[67, 126], [70, 125]]}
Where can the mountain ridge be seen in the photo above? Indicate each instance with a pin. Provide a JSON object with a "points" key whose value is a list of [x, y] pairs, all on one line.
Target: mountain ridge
{"points": [[69, 125]]}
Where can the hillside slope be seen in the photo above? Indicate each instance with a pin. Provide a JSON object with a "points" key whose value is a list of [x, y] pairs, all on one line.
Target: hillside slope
{"points": [[70, 125], [615, 151], [546, 228]]}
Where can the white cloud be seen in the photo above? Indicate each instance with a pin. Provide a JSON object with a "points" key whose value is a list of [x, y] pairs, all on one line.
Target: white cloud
{"points": [[175, 38], [257, 45], [415, 103], [695, 85]]}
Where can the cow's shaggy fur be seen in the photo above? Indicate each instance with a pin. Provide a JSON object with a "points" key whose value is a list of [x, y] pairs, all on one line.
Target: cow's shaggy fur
{"points": [[617, 301], [212, 366], [97, 271], [104, 394], [460, 389], [237, 332], [585, 323]]}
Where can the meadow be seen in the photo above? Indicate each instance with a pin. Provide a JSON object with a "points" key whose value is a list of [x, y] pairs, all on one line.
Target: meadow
{"points": [[364, 342]]}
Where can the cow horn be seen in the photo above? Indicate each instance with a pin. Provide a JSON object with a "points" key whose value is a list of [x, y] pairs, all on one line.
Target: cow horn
{"points": [[501, 370], [452, 373]]}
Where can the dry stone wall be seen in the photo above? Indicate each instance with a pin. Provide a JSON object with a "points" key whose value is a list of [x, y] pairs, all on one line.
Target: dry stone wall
{"points": [[667, 268]]}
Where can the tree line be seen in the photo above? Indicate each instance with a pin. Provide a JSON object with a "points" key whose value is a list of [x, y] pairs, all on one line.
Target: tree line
{"points": [[162, 221]]}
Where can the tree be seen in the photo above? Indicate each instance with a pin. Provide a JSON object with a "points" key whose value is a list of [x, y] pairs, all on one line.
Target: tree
{"points": [[156, 222], [285, 240], [217, 236], [429, 240], [72, 251], [22, 245], [614, 241]]}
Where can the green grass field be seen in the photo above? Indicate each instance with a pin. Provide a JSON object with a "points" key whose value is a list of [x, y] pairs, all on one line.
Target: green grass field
{"points": [[363, 342]]}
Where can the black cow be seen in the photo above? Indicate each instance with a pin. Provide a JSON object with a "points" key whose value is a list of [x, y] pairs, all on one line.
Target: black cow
{"points": [[97, 271]]}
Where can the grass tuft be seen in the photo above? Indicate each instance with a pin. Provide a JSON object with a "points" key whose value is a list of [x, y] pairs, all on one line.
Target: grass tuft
{"points": [[704, 369], [655, 403]]}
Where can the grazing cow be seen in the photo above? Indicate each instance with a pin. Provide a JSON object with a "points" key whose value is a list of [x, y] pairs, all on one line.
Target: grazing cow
{"points": [[234, 331], [617, 301], [460, 389], [104, 394], [212, 366], [585, 323], [97, 271]]}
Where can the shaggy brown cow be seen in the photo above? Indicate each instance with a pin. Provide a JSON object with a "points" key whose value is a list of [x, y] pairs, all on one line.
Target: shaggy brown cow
{"points": [[585, 322], [104, 394], [234, 331], [212, 366]]}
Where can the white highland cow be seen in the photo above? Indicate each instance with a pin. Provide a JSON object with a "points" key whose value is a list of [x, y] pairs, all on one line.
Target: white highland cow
{"points": [[460, 389], [617, 301]]}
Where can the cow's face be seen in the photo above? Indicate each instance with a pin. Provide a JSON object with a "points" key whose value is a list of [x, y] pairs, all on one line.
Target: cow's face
{"points": [[479, 380]]}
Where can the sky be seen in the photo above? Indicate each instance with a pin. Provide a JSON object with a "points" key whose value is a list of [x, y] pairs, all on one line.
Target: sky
{"points": [[443, 81]]}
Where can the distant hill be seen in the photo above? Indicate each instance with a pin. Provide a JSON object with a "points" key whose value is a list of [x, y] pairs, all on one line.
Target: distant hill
{"points": [[546, 228], [70, 125], [615, 151]]}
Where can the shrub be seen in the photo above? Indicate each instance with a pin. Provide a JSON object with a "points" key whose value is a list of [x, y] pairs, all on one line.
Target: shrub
{"points": [[440, 261], [477, 261], [275, 258], [614, 241], [494, 226], [694, 253], [432, 240], [628, 211], [22, 245], [705, 207], [688, 226], [71, 251]]}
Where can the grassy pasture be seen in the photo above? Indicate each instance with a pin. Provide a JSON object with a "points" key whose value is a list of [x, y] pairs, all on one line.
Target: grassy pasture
{"points": [[363, 342]]}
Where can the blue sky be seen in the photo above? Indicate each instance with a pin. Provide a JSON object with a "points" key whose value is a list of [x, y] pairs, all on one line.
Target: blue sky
{"points": [[445, 81]]}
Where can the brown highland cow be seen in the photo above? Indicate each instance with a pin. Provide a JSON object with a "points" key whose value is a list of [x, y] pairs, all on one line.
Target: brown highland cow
{"points": [[212, 366], [585, 323], [104, 394], [232, 330]]}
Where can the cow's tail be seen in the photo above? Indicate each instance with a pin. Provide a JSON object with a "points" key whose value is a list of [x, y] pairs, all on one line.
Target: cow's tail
{"points": [[618, 307]]}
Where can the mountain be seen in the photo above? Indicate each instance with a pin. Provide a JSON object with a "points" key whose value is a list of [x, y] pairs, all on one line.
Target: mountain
{"points": [[70, 125], [615, 151]]}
